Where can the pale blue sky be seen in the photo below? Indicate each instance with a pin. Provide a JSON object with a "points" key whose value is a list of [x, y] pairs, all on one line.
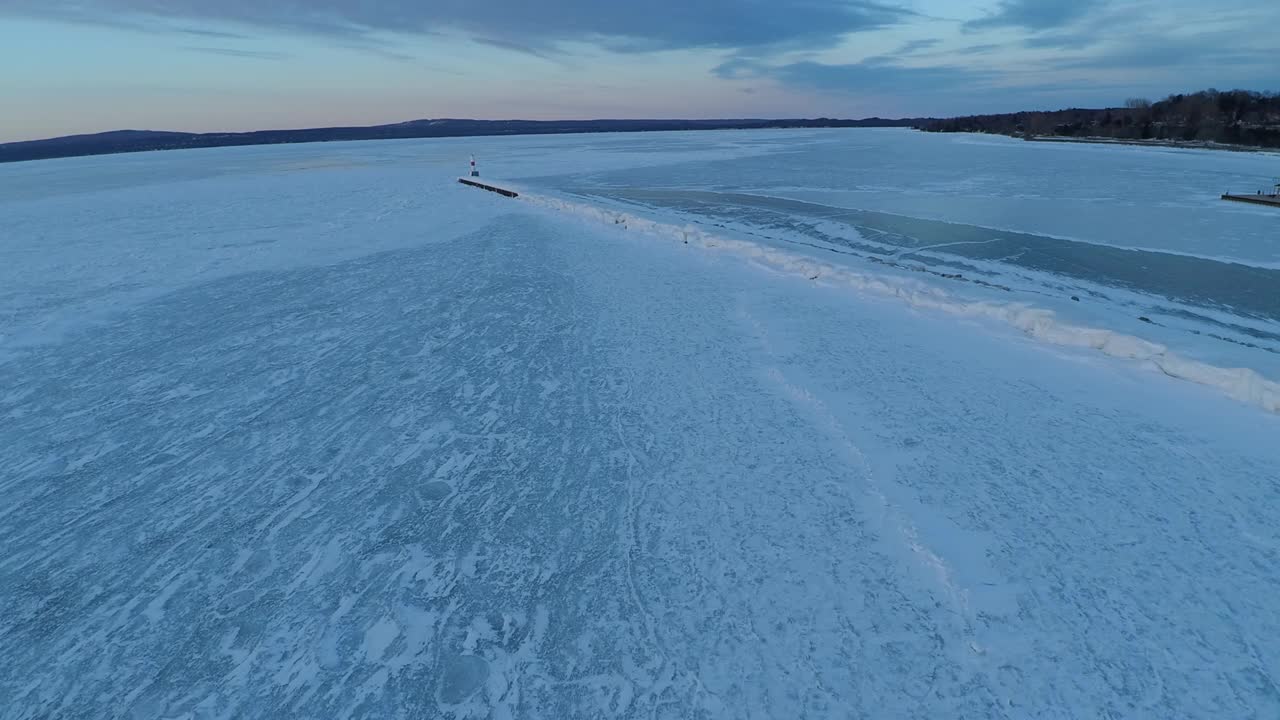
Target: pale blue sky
{"points": [[72, 66]]}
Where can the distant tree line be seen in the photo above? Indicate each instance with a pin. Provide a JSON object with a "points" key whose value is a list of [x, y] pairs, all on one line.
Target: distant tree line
{"points": [[1235, 117], [122, 141]]}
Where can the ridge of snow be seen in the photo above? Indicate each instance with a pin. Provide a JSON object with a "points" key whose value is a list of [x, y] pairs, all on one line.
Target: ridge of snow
{"points": [[1241, 384]]}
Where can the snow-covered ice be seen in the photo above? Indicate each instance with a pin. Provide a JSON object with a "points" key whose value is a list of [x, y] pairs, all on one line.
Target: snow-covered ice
{"points": [[316, 432]]}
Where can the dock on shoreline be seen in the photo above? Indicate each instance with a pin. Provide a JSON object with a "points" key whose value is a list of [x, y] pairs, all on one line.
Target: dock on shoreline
{"points": [[1271, 200], [490, 188]]}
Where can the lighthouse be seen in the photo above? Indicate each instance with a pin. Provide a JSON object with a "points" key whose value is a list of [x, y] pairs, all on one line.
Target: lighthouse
{"points": [[474, 171]]}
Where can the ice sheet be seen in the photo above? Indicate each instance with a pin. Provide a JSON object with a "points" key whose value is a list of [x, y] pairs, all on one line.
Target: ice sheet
{"points": [[407, 449]]}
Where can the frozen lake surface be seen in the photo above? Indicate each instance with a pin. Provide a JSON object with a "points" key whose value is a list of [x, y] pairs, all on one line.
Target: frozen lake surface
{"points": [[702, 426]]}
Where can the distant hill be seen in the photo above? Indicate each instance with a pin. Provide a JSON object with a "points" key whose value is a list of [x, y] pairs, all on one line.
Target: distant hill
{"points": [[123, 141], [1236, 117]]}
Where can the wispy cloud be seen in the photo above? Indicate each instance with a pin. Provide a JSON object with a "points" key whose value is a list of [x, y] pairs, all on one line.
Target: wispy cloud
{"points": [[219, 34], [977, 49], [1036, 14], [382, 50], [1062, 41], [916, 46], [233, 52], [878, 74], [1209, 50], [514, 47]]}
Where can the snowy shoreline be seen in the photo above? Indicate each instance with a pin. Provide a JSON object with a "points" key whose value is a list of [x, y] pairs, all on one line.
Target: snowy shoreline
{"points": [[1180, 144]]}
